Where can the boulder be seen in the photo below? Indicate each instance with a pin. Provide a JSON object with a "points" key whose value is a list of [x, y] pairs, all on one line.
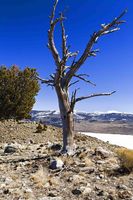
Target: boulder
{"points": [[99, 151]]}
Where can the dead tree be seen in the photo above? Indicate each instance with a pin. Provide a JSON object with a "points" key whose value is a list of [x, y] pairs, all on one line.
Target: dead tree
{"points": [[61, 80]]}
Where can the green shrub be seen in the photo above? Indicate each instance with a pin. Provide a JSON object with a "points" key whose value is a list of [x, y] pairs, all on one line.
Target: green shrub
{"points": [[40, 128], [18, 89]]}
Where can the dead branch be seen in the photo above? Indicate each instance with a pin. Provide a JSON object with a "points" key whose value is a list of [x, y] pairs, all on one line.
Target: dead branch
{"points": [[45, 81], [73, 83], [24, 159], [66, 54], [51, 44], [84, 79], [64, 40], [105, 29], [93, 95], [74, 100]]}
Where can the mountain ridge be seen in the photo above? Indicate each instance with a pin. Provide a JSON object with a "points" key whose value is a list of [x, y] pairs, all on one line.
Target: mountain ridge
{"points": [[53, 117]]}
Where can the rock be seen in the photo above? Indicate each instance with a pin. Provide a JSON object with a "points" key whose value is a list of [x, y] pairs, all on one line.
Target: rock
{"points": [[56, 164], [10, 149], [121, 186], [6, 191], [101, 176], [99, 151], [50, 197], [77, 179], [31, 141], [111, 197], [54, 181], [51, 194], [100, 162], [88, 162], [98, 178], [88, 170], [80, 152], [82, 164], [124, 194], [56, 147], [76, 192], [2, 180], [99, 191], [86, 190]]}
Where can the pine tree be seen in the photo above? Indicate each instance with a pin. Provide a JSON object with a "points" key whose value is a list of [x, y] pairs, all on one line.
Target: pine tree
{"points": [[18, 89]]}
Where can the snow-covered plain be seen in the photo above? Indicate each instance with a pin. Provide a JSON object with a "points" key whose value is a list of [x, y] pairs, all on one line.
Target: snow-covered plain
{"points": [[121, 140]]}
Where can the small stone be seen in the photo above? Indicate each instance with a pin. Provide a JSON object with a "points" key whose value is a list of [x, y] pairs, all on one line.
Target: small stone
{"points": [[121, 186], [51, 195], [56, 164], [124, 194], [98, 178], [87, 191], [100, 193], [81, 164], [77, 179], [10, 149], [6, 191], [88, 170], [101, 176], [56, 147], [31, 141], [41, 145], [100, 162], [2, 180], [110, 197], [76, 192]]}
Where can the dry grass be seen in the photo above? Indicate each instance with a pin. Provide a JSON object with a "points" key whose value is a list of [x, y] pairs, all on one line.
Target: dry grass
{"points": [[126, 158], [88, 162], [43, 179], [40, 178]]}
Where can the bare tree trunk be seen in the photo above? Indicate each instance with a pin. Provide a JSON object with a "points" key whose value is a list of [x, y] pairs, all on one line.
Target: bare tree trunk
{"points": [[68, 133], [67, 120]]}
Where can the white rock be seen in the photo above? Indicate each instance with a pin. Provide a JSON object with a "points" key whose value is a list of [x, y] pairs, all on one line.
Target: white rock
{"points": [[102, 152], [86, 190], [59, 163], [56, 164]]}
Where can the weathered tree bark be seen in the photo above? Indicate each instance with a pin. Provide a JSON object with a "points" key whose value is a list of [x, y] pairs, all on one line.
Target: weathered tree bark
{"points": [[67, 119], [61, 80]]}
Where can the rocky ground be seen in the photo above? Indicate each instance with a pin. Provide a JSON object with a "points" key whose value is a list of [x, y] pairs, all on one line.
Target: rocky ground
{"points": [[32, 168]]}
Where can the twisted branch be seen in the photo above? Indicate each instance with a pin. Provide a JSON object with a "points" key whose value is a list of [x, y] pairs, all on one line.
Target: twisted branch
{"points": [[105, 29], [74, 100]]}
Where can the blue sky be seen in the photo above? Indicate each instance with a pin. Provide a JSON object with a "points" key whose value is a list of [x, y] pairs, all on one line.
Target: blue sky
{"points": [[23, 39]]}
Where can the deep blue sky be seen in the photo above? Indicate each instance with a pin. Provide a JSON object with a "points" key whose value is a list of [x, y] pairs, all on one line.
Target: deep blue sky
{"points": [[23, 39]]}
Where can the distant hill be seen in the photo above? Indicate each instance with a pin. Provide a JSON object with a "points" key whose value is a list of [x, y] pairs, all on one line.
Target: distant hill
{"points": [[53, 117]]}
